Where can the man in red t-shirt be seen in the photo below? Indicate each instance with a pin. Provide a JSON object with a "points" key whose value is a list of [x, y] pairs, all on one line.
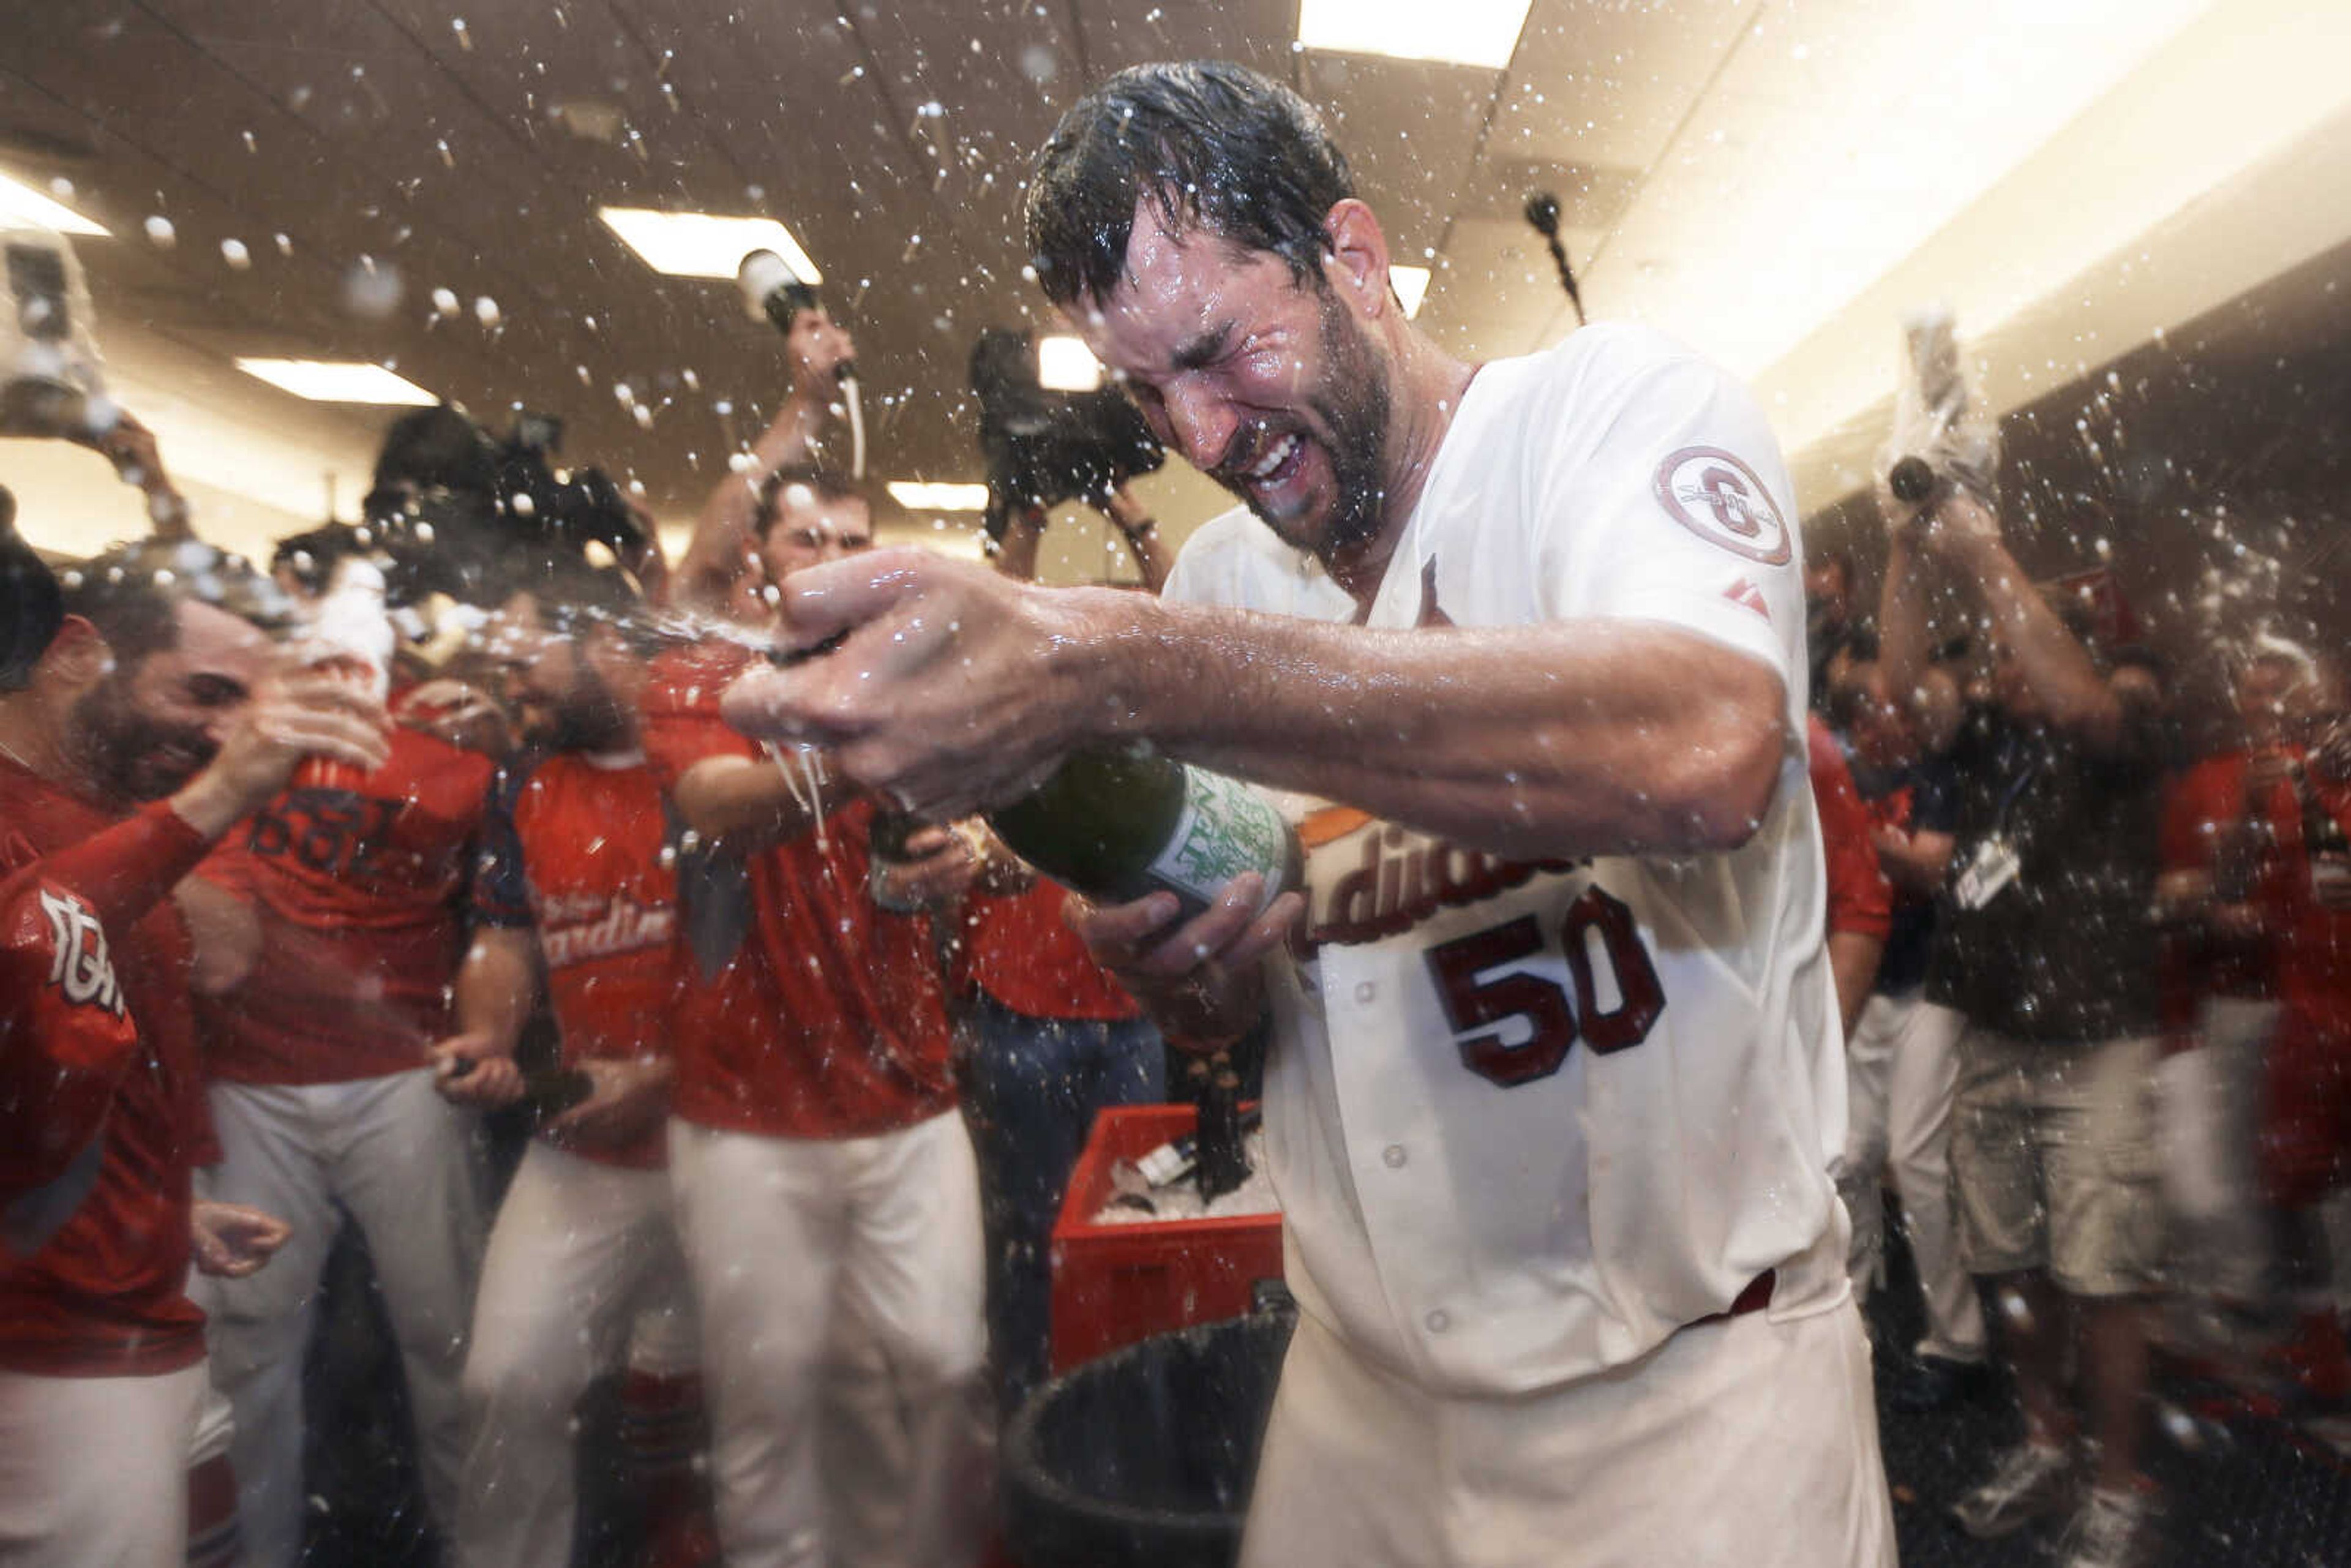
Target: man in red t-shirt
{"points": [[347, 907], [577, 883], [812, 1073], [2220, 981], [2305, 1136], [126, 689]]}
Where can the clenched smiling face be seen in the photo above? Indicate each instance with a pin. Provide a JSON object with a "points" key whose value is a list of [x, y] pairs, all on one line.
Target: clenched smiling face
{"points": [[1270, 386]]}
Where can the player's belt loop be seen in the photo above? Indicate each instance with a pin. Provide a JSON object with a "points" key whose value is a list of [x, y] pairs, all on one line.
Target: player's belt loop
{"points": [[1753, 1299]]}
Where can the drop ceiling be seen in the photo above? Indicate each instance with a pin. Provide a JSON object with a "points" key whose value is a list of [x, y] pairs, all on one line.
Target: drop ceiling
{"points": [[361, 158]]}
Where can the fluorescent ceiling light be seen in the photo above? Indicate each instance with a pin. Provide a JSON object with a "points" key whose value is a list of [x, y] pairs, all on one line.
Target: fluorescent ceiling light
{"points": [[1456, 32], [1066, 364], [1411, 285], [1824, 131], [23, 203], [702, 245], [916, 496], [338, 381]]}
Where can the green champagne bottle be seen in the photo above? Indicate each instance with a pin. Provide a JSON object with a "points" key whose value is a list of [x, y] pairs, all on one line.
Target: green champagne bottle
{"points": [[1116, 823]]}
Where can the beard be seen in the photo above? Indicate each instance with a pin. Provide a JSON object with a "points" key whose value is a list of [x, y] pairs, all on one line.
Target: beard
{"points": [[1351, 406], [131, 755], [586, 718], [1346, 419]]}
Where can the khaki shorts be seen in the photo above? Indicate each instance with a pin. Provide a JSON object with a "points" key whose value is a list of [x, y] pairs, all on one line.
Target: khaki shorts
{"points": [[2053, 1161]]}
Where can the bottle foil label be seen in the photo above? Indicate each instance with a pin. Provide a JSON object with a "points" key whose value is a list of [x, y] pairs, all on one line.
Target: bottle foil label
{"points": [[1227, 828]]}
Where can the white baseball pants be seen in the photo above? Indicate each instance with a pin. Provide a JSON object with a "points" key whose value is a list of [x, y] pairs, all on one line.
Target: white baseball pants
{"points": [[94, 1470], [581, 1252], [1749, 1442], [402, 1162], [785, 1239], [2212, 1100], [1901, 1073]]}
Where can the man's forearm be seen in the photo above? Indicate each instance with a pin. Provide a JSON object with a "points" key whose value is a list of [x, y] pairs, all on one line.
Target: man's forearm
{"points": [[1902, 616], [498, 983], [1919, 864], [1854, 957], [747, 805], [723, 531], [2054, 666], [1583, 737]]}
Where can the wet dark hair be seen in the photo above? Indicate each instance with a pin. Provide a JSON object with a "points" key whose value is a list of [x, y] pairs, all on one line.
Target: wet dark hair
{"points": [[312, 555], [830, 483], [1213, 146], [132, 592], [575, 596], [32, 607], [790, 300]]}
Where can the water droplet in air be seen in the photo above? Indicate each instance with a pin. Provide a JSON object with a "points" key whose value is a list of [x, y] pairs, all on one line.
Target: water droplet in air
{"points": [[371, 288], [233, 252], [485, 311], [160, 231]]}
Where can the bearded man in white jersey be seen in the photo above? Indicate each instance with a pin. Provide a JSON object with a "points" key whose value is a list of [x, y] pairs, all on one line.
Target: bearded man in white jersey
{"points": [[1555, 1082]]}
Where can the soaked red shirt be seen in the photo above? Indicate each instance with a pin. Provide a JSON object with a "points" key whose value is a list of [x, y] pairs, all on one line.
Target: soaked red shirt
{"points": [[2305, 1142], [362, 897], [1861, 899], [2202, 804], [1019, 951], [101, 1102], [576, 847], [2314, 940], [804, 1011]]}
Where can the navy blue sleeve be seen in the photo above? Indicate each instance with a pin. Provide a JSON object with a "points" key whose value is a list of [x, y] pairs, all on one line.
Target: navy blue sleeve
{"points": [[501, 888], [1934, 798]]}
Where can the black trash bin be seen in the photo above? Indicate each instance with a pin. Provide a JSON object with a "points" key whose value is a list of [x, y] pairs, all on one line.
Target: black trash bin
{"points": [[1143, 1459]]}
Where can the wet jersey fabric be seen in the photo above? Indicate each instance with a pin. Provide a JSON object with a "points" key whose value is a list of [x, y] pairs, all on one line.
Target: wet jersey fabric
{"points": [[1529, 1119], [577, 848], [101, 1105], [805, 1012], [2314, 934], [2066, 951], [362, 898], [2204, 804], [1861, 901], [1021, 954]]}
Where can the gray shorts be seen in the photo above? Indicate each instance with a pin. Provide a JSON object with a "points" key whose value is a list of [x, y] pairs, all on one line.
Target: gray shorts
{"points": [[2053, 1161]]}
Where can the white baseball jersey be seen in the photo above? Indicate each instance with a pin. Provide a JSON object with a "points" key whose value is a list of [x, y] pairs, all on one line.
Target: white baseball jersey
{"points": [[1526, 1121]]}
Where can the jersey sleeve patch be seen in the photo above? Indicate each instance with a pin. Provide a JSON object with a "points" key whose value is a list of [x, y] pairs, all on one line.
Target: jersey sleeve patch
{"points": [[1718, 496]]}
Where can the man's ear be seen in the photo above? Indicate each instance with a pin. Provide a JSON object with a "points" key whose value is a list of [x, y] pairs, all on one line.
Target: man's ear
{"points": [[78, 656], [1355, 256]]}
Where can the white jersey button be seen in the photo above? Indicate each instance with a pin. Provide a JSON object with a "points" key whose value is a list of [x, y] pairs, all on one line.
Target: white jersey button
{"points": [[1437, 1321], [1365, 990], [1393, 1155]]}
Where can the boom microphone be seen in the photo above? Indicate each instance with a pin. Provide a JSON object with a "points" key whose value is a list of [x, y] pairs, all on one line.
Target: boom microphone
{"points": [[1542, 214]]}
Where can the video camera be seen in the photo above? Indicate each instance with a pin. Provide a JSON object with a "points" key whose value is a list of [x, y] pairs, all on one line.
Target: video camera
{"points": [[1045, 447], [450, 501]]}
